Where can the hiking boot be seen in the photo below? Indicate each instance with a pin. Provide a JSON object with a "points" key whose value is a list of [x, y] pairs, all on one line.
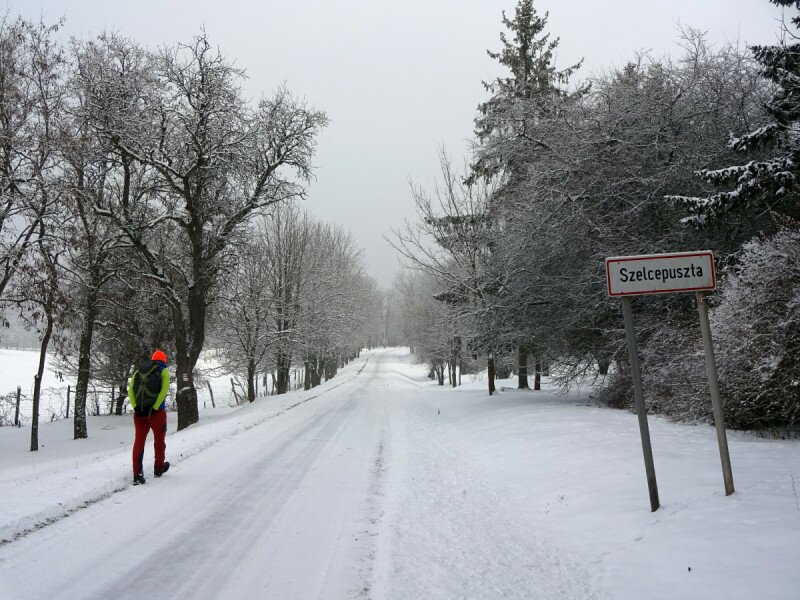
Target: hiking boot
{"points": [[160, 472], [137, 479]]}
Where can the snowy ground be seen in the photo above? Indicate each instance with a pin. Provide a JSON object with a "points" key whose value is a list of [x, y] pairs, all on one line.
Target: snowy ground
{"points": [[381, 485]]}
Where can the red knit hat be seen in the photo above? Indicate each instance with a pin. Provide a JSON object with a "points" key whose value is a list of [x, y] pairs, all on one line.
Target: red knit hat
{"points": [[159, 355]]}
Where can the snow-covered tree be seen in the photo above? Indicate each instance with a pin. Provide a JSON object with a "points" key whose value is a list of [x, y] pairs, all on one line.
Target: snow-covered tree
{"points": [[451, 241], [756, 325], [767, 181], [218, 162], [513, 126], [31, 101], [523, 101], [243, 313], [298, 295], [337, 301], [640, 132], [427, 321], [95, 174], [40, 298]]}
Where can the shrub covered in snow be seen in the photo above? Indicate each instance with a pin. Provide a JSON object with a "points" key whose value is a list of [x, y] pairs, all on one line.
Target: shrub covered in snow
{"points": [[756, 331], [674, 376], [757, 328]]}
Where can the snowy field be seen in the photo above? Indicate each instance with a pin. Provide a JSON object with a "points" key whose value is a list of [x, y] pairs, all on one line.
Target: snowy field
{"points": [[17, 369], [380, 484]]}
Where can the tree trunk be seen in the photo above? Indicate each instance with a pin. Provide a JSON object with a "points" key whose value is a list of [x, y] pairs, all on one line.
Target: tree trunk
{"points": [[120, 399], [440, 373], [187, 350], [490, 365], [194, 409], [602, 366], [182, 400], [37, 382], [251, 375], [37, 386], [282, 366], [331, 368], [522, 368], [198, 306], [316, 374], [183, 397], [537, 378], [306, 374], [84, 354]]}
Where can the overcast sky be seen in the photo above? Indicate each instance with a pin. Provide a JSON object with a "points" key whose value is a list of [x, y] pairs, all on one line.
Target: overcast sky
{"points": [[398, 78]]}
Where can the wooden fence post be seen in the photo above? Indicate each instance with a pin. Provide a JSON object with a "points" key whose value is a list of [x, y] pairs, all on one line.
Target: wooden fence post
{"points": [[16, 413], [208, 383]]}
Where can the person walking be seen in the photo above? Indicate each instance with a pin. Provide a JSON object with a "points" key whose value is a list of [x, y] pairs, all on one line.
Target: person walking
{"points": [[147, 391]]}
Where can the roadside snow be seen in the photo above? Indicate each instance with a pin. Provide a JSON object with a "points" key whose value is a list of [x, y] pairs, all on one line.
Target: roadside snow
{"points": [[450, 531], [572, 471]]}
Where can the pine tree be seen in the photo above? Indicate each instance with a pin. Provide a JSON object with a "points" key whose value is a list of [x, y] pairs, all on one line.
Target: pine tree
{"points": [[762, 183], [511, 124], [522, 99]]}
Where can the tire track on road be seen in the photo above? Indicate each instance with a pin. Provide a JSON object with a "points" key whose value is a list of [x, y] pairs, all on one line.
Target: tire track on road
{"points": [[95, 497]]}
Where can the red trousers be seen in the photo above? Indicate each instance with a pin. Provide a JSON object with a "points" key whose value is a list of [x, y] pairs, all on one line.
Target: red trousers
{"points": [[157, 421]]}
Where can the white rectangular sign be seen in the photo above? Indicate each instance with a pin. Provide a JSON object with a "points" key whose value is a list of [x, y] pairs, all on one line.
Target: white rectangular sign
{"points": [[660, 273]]}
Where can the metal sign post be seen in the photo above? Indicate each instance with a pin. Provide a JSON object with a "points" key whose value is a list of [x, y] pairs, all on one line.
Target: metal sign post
{"points": [[663, 274], [716, 401], [641, 409]]}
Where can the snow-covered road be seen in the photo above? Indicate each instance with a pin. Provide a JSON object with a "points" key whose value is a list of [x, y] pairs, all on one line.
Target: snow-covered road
{"points": [[381, 485], [302, 506]]}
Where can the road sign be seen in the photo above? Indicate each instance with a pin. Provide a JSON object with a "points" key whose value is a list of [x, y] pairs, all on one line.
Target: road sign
{"points": [[663, 274], [660, 273]]}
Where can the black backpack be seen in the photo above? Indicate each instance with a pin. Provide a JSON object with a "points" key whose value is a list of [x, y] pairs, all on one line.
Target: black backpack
{"points": [[146, 385]]}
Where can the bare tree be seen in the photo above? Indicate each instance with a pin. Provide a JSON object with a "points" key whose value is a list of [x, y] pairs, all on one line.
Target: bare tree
{"points": [[107, 79], [218, 162], [41, 302], [427, 321], [244, 313], [452, 242], [31, 94]]}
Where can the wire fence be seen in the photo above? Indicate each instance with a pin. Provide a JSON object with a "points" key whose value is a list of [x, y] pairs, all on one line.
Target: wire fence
{"points": [[58, 401], [16, 408]]}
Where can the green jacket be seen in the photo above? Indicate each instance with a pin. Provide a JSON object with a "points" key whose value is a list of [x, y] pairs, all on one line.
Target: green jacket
{"points": [[162, 394]]}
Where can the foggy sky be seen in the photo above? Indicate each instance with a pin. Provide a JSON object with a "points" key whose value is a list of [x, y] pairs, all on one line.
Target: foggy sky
{"points": [[397, 78]]}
